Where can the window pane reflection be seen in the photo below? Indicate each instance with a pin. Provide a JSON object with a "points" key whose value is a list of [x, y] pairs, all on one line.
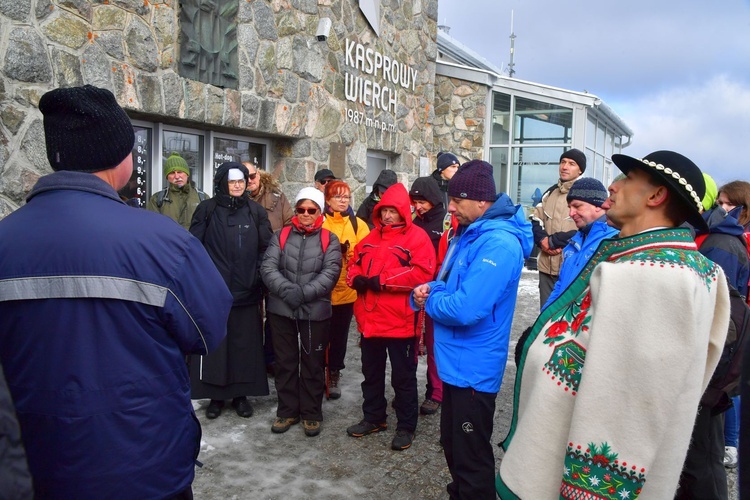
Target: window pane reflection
{"points": [[501, 119], [534, 170], [190, 147], [541, 123]]}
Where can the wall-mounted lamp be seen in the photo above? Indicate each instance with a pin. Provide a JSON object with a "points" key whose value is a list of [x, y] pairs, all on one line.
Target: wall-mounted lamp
{"points": [[324, 29]]}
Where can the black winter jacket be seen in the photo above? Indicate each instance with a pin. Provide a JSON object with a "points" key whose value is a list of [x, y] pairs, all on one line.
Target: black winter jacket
{"points": [[300, 278], [235, 232], [432, 221]]}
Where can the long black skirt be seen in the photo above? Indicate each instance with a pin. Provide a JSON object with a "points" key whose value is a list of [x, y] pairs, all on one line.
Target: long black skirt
{"points": [[236, 367]]}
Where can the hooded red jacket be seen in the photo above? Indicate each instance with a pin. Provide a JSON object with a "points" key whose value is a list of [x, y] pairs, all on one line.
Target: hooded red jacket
{"points": [[403, 257]]}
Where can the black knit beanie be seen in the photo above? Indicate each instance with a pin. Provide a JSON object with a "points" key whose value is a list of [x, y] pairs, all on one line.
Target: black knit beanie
{"points": [[577, 156], [85, 129], [473, 181]]}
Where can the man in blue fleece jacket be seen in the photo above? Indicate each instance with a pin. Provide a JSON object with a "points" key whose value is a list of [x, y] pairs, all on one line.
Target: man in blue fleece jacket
{"points": [[472, 304]]}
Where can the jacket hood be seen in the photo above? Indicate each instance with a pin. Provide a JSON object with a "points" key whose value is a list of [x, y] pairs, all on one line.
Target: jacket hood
{"points": [[394, 196], [723, 223], [220, 178], [77, 181], [386, 179], [427, 188], [503, 215], [267, 183]]}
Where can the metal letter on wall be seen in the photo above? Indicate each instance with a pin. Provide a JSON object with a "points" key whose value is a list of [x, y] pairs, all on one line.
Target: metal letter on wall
{"points": [[208, 42]]}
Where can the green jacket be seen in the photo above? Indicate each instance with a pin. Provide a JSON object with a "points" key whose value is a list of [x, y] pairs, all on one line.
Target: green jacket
{"points": [[177, 203]]}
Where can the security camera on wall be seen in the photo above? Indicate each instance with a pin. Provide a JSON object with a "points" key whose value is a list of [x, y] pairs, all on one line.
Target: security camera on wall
{"points": [[324, 29]]}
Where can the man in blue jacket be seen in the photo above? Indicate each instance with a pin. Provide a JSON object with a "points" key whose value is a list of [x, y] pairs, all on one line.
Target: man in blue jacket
{"points": [[472, 304], [585, 200], [99, 304]]}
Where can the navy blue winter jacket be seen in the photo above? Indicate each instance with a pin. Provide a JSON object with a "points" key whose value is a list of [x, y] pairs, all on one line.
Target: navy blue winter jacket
{"points": [[99, 303]]}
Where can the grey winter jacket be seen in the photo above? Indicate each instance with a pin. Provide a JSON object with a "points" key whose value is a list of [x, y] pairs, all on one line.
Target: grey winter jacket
{"points": [[300, 278]]}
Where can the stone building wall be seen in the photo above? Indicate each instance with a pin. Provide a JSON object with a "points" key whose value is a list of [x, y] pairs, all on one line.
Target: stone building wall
{"points": [[460, 117], [291, 87]]}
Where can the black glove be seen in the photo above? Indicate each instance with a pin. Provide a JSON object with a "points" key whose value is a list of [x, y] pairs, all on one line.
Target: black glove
{"points": [[294, 297], [373, 283], [359, 283]]}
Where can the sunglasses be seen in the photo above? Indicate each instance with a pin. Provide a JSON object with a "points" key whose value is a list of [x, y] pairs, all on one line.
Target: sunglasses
{"points": [[324, 182], [253, 176], [310, 211]]}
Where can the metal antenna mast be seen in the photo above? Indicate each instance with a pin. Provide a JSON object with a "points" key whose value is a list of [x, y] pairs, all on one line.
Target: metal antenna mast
{"points": [[511, 64]]}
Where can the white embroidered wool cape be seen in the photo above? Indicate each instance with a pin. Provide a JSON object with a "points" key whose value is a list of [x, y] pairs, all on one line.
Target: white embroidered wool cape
{"points": [[610, 378]]}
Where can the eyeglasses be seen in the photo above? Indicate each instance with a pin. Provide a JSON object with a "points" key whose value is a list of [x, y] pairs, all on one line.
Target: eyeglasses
{"points": [[310, 211], [237, 182], [324, 181], [253, 176], [339, 197]]}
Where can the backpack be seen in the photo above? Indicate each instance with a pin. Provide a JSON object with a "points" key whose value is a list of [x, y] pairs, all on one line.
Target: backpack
{"points": [[161, 195], [725, 381], [325, 237]]}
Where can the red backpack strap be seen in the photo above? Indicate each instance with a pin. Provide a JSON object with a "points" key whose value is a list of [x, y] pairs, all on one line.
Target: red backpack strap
{"points": [[325, 239], [284, 235]]}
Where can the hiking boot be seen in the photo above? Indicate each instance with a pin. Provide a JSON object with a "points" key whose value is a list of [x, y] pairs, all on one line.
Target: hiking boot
{"points": [[730, 457], [242, 406], [429, 407], [282, 424], [312, 427], [364, 428], [402, 440], [214, 409], [333, 384]]}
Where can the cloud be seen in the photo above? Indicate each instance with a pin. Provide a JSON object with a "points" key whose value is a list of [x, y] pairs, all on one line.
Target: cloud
{"points": [[706, 122]]}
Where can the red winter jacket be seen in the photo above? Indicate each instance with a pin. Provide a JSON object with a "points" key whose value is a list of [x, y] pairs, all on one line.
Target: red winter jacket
{"points": [[403, 257]]}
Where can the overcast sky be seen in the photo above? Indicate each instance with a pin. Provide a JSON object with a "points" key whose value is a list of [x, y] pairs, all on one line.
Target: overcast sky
{"points": [[676, 71]]}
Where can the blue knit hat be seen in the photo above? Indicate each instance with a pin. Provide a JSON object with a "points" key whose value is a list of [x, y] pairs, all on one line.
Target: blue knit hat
{"points": [[473, 181], [588, 190]]}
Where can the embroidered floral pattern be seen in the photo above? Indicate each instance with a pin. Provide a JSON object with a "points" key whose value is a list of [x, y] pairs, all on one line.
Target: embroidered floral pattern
{"points": [[574, 320], [566, 365], [596, 473]]}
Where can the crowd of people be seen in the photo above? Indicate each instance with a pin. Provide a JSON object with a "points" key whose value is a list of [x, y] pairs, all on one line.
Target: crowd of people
{"points": [[106, 339]]}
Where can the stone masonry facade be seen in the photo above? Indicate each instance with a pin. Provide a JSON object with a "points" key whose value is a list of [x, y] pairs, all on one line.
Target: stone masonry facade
{"points": [[460, 117], [291, 87]]}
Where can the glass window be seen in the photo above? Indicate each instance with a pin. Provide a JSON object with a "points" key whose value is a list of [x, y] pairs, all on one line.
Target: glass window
{"points": [[609, 141], [500, 118], [228, 149], [598, 166], [376, 163], [534, 170], [541, 123], [591, 133], [499, 162], [190, 147], [600, 139], [136, 192]]}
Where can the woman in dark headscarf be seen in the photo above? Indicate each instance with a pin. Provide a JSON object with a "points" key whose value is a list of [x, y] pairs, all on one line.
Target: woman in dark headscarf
{"points": [[235, 232]]}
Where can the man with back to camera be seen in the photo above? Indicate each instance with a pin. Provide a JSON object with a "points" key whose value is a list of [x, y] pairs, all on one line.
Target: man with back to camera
{"points": [[612, 372], [179, 198], [585, 200], [99, 304], [472, 303], [552, 225]]}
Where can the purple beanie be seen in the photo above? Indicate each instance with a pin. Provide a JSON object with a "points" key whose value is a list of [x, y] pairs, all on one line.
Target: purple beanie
{"points": [[473, 181]]}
